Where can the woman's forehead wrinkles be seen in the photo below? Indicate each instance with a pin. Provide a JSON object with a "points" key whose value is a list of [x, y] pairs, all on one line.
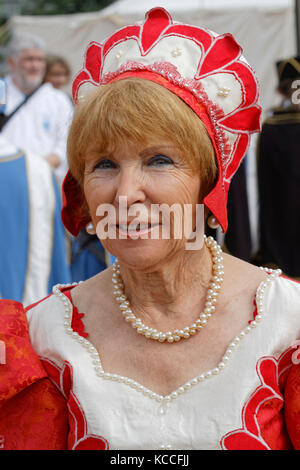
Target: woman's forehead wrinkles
{"points": [[138, 148], [158, 147]]}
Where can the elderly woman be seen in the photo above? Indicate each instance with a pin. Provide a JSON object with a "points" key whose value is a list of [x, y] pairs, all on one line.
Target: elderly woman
{"points": [[173, 347]]}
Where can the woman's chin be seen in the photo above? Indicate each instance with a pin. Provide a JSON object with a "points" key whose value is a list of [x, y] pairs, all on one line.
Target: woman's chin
{"points": [[141, 254]]}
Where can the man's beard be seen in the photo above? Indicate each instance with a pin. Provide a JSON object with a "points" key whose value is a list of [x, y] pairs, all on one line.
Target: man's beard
{"points": [[30, 84]]}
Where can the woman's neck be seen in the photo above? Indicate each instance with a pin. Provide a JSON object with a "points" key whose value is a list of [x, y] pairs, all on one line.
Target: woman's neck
{"points": [[165, 292]]}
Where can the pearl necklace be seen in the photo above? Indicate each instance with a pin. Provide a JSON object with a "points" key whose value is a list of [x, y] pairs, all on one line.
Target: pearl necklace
{"points": [[177, 334]]}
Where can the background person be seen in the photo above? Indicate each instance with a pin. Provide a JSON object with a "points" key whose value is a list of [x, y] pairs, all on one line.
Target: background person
{"points": [[57, 72], [279, 177], [40, 125], [88, 256], [33, 250]]}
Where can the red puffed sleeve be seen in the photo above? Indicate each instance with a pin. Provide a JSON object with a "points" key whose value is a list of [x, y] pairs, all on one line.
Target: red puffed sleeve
{"points": [[33, 413], [292, 405]]}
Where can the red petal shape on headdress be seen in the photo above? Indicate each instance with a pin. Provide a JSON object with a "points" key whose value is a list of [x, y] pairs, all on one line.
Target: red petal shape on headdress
{"points": [[130, 31], [80, 78], [241, 147], [244, 120], [157, 20], [93, 61], [245, 76], [223, 51], [199, 35]]}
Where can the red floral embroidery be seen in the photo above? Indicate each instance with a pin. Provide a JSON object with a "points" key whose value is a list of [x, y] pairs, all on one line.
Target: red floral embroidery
{"points": [[254, 312], [92, 442], [262, 415], [77, 323], [78, 439]]}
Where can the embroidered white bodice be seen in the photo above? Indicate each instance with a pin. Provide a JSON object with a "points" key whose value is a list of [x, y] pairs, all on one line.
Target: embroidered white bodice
{"points": [[208, 412]]}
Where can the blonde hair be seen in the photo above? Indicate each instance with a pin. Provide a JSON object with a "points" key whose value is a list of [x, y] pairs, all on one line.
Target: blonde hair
{"points": [[137, 110]]}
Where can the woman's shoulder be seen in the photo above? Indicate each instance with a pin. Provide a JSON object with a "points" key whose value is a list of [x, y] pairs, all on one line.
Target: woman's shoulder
{"points": [[46, 317], [16, 346], [46, 304], [63, 310], [97, 289], [285, 295], [269, 287], [241, 273], [241, 277]]}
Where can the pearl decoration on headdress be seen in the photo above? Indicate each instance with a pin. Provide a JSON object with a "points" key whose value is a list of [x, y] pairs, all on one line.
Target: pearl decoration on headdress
{"points": [[176, 52], [119, 54], [224, 92]]}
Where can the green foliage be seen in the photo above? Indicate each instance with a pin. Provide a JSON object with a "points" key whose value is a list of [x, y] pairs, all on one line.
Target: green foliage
{"points": [[41, 7], [61, 7]]}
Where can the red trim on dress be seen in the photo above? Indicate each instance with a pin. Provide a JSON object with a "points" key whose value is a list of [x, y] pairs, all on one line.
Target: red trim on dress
{"points": [[29, 307], [262, 415], [289, 278], [77, 323], [78, 438]]}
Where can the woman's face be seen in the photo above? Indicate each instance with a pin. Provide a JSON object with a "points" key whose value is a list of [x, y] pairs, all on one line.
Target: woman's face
{"points": [[134, 181], [58, 76]]}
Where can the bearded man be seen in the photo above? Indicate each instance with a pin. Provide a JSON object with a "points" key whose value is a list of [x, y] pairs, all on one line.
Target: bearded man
{"points": [[36, 115]]}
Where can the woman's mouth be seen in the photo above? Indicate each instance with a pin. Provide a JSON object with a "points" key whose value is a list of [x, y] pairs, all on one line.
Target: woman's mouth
{"points": [[135, 230]]}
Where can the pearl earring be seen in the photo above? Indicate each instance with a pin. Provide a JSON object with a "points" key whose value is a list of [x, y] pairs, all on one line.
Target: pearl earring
{"points": [[212, 222], [90, 229]]}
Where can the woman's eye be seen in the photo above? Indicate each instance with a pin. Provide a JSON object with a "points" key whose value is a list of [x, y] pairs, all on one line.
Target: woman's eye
{"points": [[105, 164], [160, 160]]}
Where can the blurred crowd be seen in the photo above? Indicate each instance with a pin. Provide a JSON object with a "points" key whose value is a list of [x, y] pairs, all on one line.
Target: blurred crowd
{"points": [[35, 250]]}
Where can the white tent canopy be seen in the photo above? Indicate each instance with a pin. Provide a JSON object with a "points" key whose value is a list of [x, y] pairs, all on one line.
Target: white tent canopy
{"points": [[127, 7]]}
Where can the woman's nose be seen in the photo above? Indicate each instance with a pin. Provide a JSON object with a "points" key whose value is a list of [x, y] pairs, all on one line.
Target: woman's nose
{"points": [[131, 187]]}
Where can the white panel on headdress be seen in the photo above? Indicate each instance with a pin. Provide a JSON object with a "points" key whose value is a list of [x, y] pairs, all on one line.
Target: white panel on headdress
{"points": [[183, 53]]}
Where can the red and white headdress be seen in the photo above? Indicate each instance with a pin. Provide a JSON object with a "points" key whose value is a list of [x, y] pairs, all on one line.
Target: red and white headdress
{"points": [[207, 71]]}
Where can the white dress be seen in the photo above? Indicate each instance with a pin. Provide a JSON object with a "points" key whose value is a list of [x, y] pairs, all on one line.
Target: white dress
{"points": [[239, 404], [42, 123]]}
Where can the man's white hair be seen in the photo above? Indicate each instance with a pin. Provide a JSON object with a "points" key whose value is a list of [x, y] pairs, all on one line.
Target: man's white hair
{"points": [[23, 41]]}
